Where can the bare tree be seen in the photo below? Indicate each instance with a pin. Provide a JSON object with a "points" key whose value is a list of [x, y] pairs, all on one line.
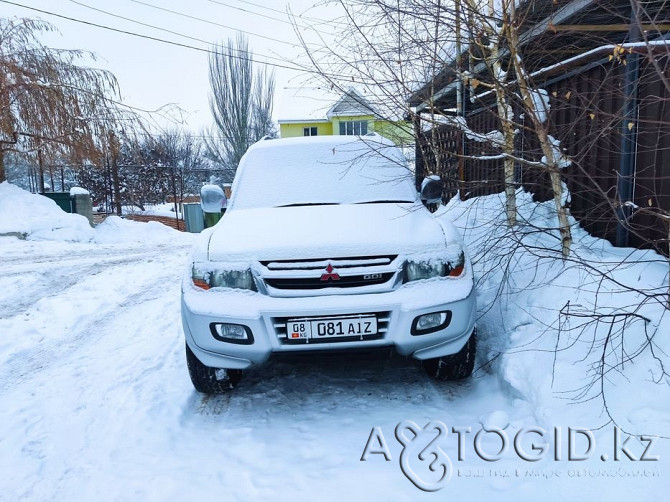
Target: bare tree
{"points": [[491, 44], [179, 155], [240, 101], [493, 54], [48, 102]]}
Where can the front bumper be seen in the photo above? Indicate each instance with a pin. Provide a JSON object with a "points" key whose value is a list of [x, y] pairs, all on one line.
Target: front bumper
{"points": [[264, 315]]}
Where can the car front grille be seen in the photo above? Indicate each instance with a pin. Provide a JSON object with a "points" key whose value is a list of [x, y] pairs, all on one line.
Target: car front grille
{"points": [[348, 281], [313, 274]]}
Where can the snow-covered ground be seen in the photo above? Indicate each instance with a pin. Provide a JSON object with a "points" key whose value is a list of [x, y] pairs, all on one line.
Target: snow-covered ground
{"points": [[97, 403]]}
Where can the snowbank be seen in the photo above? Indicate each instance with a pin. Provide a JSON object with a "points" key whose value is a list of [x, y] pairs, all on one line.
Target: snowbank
{"points": [[38, 218], [115, 229], [587, 332]]}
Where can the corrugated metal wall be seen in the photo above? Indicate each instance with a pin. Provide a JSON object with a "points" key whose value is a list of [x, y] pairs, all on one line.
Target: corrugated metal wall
{"points": [[652, 178]]}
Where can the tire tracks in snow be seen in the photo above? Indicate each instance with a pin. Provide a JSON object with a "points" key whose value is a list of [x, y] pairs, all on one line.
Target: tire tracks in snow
{"points": [[40, 279], [45, 352], [19, 258], [88, 395]]}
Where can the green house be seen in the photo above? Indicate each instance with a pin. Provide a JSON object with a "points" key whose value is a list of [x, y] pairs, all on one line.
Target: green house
{"points": [[318, 112]]}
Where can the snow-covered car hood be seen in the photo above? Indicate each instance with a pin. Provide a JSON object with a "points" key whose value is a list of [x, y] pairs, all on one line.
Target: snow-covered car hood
{"points": [[304, 232]]}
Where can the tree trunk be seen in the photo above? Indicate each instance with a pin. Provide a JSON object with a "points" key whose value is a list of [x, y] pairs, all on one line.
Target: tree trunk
{"points": [[508, 148], [3, 175], [510, 192], [40, 164], [505, 115], [114, 147], [542, 133], [51, 177], [109, 189], [31, 179], [563, 223], [115, 183], [174, 195]]}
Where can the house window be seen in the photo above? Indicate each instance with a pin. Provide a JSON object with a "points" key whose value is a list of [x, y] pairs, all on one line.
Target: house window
{"points": [[354, 128], [309, 131]]}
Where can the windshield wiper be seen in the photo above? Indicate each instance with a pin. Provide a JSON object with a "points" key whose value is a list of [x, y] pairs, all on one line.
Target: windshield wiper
{"points": [[311, 204]]}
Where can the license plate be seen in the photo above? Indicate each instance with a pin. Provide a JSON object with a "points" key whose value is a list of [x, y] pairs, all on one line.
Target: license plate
{"points": [[297, 329]]}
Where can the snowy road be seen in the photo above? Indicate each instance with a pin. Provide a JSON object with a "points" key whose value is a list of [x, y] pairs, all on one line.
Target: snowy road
{"points": [[97, 404]]}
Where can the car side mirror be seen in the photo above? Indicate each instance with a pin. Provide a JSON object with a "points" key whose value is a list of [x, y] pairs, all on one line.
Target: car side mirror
{"points": [[212, 200], [431, 190]]}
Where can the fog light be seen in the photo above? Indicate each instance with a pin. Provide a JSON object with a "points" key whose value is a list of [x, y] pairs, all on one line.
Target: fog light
{"points": [[431, 320], [429, 323], [232, 333]]}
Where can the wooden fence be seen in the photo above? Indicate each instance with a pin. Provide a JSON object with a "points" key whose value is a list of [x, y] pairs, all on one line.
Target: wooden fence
{"points": [[589, 118]]}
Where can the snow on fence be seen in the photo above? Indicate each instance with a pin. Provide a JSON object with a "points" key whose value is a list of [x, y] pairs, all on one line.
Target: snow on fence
{"points": [[165, 220]]}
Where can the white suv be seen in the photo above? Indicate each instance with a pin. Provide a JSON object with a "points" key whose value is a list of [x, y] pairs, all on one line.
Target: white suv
{"points": [[326, 246]]}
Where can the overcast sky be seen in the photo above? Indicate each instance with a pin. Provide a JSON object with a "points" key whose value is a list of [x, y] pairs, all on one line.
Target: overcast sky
{"points": [[151, 73]]}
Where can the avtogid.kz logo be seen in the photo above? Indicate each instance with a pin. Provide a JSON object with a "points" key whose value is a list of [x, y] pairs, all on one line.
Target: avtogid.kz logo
{"points": [[425, 462], [422, 459]]}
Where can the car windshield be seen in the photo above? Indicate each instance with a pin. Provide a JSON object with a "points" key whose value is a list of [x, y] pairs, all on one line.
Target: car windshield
{"points": [[322, 171]]}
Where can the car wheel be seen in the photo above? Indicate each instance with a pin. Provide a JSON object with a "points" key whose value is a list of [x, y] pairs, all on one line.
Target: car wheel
{"points": [[210, 380], [455, 366]]}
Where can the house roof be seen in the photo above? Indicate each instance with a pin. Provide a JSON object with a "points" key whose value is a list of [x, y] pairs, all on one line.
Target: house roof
{"points": [[552, 32], [320, 104], [351, 103]]}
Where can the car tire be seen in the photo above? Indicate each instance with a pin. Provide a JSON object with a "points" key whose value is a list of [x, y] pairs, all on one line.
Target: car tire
{"points": [[210, 380], [455, 366]]}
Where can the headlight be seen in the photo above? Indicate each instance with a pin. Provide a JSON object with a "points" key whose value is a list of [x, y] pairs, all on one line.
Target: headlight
{"points": [[427, 269], [415, 271], [206, 277]]}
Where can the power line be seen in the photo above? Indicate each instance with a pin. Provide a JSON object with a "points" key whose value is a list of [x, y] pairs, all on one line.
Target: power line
{"points": [[212, 23], [249, 11], [261, 6], [155, 39], [307, 18], [304, 70], [248, 54]]}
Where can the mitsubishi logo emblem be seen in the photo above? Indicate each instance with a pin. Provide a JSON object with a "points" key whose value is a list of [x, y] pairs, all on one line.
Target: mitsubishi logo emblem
{"points": [[329, 275]]}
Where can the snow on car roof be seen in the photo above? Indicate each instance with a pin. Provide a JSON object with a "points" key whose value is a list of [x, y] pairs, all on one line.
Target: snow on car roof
{"points": [[322, 170]]}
